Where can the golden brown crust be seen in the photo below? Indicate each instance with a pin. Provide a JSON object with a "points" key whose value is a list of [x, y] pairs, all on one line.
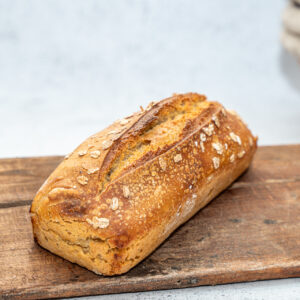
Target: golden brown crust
{"points": [[119, 195]]}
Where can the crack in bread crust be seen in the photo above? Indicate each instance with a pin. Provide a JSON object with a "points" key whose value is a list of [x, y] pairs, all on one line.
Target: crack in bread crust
{"points": [[126, 189]]}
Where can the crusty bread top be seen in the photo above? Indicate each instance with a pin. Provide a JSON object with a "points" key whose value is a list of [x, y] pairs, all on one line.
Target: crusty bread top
{"points": [[112, 173]]}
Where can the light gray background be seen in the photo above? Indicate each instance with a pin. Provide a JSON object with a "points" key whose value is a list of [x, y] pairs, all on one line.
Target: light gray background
{"points": [[69, 68]]}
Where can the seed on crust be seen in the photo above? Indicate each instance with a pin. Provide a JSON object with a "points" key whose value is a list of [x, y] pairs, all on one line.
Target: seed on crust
{"points": [[106, 144], [162, 163], [202, 146], [114, 203], [202, 137], [232, 158], [92, 171], [82, 180], [82, 152], [241, 154], [216, 120], [126, 191], [209, 129], [226, 146], [98, 222], [216, 162], [95, 154], [235, 138], [218, 147], [177, 158], [123, 122]]}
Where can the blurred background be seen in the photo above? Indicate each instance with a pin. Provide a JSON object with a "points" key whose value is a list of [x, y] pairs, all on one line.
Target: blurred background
{"points": [[70, 68]]}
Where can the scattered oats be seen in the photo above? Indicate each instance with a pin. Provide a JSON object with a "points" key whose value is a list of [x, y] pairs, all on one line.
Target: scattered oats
{"points": [[95, 154], [191, 186], [123, 122], [202, 137], [90, 146], [177, 158], [196, 143], [82, 152], [92, 171], [216, 120], [114, 204], [202, 146], [67, 156], [142, 108], [216, 162], [98, 222], [162, 163], [194, 196], [250, 141], [218, 147], [226, 146], [209, 129], [126, 191], [106, 144], [74, 187], [82, 180], [235, 138], [241, 154], [232, 158]]}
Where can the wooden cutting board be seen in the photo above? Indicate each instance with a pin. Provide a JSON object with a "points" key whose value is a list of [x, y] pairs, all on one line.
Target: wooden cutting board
{"points": [[250, 232]]}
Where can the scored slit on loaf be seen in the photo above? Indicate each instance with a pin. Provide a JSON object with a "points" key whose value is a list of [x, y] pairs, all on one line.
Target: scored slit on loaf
{"points": [[124, 190]]}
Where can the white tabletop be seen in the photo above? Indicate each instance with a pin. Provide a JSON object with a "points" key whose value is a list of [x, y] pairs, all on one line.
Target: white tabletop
{"points": [[70, 68]]}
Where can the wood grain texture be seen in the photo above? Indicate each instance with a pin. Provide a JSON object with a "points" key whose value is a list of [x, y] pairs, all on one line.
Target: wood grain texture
{"points": [[21, 178], [250, 232]]}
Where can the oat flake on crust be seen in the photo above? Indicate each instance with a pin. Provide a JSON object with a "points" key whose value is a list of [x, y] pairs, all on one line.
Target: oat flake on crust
{"points": [[82, 180], [235, 138], [216, 162], [95, 154], [177, 158], [98, 222]]}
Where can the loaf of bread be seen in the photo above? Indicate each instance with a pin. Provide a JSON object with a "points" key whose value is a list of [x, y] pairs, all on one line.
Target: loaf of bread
{"points": [[124, 190]]}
